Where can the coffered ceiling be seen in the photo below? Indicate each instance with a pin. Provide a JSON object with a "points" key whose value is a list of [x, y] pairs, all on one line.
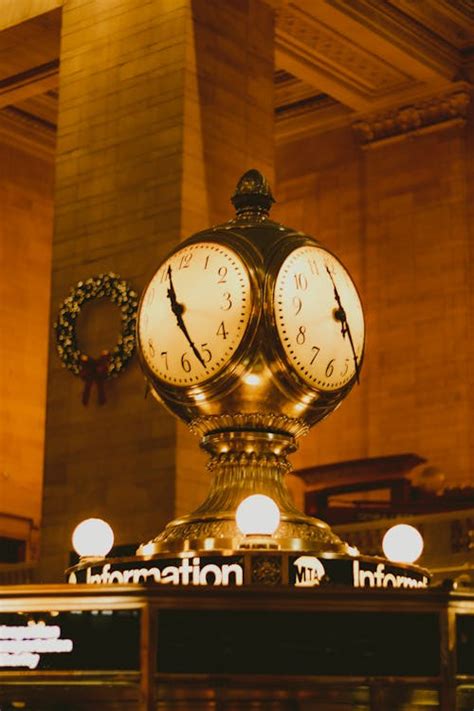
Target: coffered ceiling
{"points": [[337, 62]]}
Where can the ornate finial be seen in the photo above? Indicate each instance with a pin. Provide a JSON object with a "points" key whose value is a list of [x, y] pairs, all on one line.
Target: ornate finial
{"points": [[253, 193]]}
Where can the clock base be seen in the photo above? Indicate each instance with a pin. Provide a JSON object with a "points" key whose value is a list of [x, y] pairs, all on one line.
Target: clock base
{"points": [[245, 463]]}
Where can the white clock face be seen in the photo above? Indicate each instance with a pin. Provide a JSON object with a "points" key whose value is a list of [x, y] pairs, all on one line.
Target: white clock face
{"points": [[194, 313], [319, 318]]}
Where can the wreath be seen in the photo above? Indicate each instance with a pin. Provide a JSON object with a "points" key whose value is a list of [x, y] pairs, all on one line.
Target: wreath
{"points": [[110, 363]]}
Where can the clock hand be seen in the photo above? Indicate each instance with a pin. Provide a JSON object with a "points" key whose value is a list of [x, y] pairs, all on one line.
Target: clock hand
{"points": [[340, 315], [178, 309]]}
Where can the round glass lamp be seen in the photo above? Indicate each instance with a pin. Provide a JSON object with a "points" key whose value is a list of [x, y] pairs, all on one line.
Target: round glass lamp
{"points": [[403, 543], [92, 538], [257, 515]]}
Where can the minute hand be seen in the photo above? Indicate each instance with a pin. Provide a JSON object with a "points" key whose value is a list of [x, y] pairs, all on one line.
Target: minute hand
{"points": [[178, 309], [340, 315]]}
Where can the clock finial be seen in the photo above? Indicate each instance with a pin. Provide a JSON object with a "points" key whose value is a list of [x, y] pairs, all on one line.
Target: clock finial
{"points": [[252, 194]]}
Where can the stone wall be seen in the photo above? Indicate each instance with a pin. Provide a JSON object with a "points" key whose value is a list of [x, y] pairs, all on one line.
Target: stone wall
{"points": [[26, 222]]}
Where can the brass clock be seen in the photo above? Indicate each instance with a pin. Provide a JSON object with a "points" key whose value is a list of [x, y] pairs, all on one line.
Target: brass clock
{"points": [[250, 332], [253, 319]]}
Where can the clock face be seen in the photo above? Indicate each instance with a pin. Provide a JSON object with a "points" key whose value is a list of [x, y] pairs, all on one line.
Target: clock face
{"points": [[194, 313], [319, 318]]}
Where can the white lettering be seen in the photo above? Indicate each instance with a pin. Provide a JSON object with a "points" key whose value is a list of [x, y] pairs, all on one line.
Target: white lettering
{"points": [[186, 569], [380, 579], [139, 575], [22, 646], [232, 568], [155, 574], [170, 575], [19, 660], [213, 570], [389, 579], [189, 572], [309, 571]]}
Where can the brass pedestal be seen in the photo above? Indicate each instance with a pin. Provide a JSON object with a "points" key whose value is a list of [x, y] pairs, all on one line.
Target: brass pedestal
{"points": [[245, 463]]}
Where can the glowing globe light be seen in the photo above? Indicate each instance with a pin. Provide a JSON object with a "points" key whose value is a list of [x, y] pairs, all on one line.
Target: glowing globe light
{"points": [[257, 515], [402, 543], [92, 538]]}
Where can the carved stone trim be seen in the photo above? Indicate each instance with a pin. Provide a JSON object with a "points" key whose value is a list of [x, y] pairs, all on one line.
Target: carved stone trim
{"points": [[334, 50], [419, 117]]}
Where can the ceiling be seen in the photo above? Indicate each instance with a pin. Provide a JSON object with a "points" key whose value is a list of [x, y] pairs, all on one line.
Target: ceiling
{"points": [[337, 61]]}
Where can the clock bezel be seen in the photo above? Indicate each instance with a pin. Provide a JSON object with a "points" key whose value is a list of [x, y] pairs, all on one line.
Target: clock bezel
{"points": [[230, 373], [291, 381]]}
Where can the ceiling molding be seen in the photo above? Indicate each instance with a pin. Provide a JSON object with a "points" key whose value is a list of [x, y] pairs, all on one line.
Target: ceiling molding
{"points": [[32, 82], [403, 38], [26, 132], [331, 62], [423, 116]]}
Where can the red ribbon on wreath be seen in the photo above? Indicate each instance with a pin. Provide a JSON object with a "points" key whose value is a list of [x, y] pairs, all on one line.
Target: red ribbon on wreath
{"points": [[94, 371]]}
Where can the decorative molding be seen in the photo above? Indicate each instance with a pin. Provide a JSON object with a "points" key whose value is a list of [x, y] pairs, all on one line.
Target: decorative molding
{"points": [[407, 35], [27, 132], [332, 62], [435, 113]]}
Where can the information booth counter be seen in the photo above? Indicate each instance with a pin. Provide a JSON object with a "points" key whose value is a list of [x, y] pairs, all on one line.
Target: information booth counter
{"points": [[69, 648]]}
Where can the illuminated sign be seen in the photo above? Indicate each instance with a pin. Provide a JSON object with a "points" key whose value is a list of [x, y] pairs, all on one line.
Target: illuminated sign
{"points": [[215, 571], [22, 646], [311, 571], [299, 571], [380, 577]]}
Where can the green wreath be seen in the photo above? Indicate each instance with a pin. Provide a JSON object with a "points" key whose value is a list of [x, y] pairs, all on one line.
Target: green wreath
{"points": [[112, 363]]}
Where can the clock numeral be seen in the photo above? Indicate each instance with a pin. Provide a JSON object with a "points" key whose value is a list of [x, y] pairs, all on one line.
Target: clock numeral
{"points": [[227, 301], [316, 351], [221, 331], [206, 353], [164, 354], [297, 304], [206, 262], [150, 297], [222, 272], [185, 363], [151, 348], [344, 372], [300, 281], [184, 261], [330, 368], [301, 335], [163, 275], [313, 265]]}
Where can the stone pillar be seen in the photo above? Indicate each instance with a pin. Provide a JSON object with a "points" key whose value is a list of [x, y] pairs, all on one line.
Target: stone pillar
{"points": [[163, 104]]}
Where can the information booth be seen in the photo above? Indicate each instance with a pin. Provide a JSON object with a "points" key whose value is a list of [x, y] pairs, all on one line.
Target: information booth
{"points": [[144, 647]]}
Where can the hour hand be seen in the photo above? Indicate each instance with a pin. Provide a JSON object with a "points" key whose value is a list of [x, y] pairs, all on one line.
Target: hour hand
{"points": [[176, 308]]}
